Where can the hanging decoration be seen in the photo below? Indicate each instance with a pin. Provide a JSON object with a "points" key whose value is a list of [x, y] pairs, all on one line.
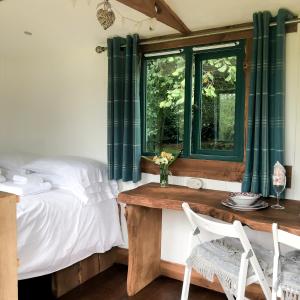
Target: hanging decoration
{"points": [[105, 15]]}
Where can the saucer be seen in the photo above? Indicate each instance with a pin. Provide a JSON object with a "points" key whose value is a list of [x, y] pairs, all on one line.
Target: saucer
{"points": [[260, 204]]}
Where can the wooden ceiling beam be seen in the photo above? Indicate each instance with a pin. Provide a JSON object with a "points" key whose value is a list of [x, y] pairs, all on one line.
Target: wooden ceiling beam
{"points": [[160, 10]]}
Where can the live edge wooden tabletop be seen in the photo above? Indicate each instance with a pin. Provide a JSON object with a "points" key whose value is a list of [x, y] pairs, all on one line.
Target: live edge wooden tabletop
{"points": [[208, 202]]}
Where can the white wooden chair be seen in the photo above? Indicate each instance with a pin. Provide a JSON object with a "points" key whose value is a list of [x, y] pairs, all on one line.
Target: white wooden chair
{"points": [[280, 286], [236, 231]]}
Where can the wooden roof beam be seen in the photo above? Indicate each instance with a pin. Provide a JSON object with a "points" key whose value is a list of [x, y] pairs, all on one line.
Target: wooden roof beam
{"points": [[160, 10]]}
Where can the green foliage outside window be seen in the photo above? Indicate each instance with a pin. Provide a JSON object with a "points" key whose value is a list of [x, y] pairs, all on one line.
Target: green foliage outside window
{"points": [[214, 111], [218, 103], [165, 103]]}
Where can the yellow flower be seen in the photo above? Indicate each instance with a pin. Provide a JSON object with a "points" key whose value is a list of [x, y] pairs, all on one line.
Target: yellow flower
{"points": [[163, 154], [167, 156]]}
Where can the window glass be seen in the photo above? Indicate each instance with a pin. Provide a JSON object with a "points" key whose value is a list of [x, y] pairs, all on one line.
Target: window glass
{"points": [[164, 107], [218, 97]]}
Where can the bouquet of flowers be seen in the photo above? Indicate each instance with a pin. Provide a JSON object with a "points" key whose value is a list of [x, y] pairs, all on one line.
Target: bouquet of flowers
{"points": [[164, 160]]}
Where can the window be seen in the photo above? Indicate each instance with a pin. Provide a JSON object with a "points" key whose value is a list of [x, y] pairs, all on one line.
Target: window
{"points": [[194, 100], [164, 105]]}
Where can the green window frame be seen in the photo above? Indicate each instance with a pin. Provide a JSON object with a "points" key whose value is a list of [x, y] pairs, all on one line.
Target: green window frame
{"points": [[193, 62]]}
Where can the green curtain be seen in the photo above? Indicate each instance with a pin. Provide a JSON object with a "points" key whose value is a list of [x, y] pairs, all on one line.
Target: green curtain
{"points": [[265, 144], [124, 120]]}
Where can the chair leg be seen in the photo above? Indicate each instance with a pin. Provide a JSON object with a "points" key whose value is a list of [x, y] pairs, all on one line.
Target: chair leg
{"points": [[275, 287], [242, 277], [186, 283], [280, 293], [227, 293], [261, 278]]}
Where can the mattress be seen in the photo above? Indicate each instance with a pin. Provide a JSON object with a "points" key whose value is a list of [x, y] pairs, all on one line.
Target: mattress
{"points": [[55, 230]]}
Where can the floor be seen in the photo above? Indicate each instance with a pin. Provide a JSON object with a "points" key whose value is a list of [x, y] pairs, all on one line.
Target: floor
{"points": [[111, 285]]}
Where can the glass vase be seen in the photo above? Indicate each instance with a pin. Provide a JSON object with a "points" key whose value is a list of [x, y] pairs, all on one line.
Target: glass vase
{"points": [[164, 175]]}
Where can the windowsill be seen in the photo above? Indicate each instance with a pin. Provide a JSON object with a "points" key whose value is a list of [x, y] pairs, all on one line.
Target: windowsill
{"points": [[211, 169]]}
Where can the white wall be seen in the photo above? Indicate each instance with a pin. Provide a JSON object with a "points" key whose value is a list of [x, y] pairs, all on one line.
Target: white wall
{"points": [[56, 103]]}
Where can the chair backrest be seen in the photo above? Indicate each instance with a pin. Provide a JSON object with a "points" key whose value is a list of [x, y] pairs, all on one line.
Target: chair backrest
{"points": [[211, 226], [234, 230], [283, 237], [286, 238]]}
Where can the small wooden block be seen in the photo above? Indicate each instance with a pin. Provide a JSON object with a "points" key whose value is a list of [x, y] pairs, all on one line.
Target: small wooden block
{"points": [[69, 278], [65, 280], [106, 260], [89, 268]]}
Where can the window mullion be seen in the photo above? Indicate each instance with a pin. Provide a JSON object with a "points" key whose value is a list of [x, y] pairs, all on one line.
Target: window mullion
{"points": [[197, 105], [188, 101]]}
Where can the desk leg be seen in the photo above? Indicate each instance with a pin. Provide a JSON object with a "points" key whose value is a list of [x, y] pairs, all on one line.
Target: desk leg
{"points": [[144, 241]]}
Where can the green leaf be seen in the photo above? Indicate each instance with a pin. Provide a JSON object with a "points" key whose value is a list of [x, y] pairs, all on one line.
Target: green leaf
{"points": [[222, 69]]}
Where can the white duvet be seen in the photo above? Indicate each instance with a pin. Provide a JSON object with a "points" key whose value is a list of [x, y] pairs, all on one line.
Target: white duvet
{"points": [[55, 230]]}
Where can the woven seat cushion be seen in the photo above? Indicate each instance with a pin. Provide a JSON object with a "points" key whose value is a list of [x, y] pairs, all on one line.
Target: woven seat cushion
{"points": [[222, 258], [289, 277]]}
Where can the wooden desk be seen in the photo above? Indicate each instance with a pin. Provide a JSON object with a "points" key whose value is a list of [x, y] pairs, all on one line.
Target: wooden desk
{"points": [[144, 218], [8, 247]]}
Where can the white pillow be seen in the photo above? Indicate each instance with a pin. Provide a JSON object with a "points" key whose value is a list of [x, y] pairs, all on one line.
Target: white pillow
{"points": [[82, 171], [9, 174], [72, 173], [106, 192], [15, 161], [95, 192]]}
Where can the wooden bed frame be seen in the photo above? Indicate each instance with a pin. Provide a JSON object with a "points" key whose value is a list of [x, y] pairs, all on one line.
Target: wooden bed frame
{"points": [[69, 278]]}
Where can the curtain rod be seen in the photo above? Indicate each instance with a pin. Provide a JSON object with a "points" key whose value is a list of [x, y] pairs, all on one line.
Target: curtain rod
{"points": [[100, 49]]}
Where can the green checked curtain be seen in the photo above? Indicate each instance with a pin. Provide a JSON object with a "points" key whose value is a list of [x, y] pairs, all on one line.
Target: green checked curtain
{"points": [[265, 143], [124, 123]]}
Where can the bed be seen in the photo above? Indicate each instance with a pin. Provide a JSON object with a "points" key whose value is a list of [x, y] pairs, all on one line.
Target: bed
{"points": [[55, 231], [74, 218]]}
